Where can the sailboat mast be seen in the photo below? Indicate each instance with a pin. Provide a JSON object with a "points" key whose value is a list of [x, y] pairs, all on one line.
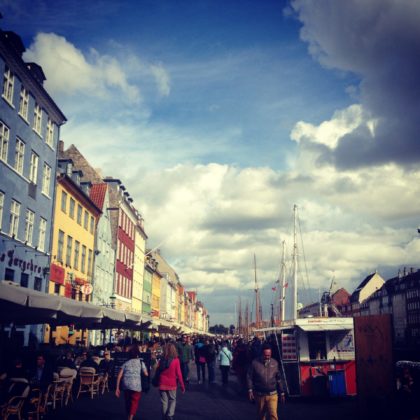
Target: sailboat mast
{"points": [[258, 311], [295, 262], [283, 284]]}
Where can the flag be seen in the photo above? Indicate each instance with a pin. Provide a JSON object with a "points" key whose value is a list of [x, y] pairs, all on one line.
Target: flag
{"points": [[273, 289]]}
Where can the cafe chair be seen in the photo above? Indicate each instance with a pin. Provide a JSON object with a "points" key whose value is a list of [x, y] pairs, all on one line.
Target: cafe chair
{"points": [[67, 376], [34, 404], [18, 393], [89, 382], [104, 383]]}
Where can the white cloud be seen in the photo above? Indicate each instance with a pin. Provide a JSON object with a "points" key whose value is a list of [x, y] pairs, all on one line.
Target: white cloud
{"points": [[70, 71], [162, 79]]}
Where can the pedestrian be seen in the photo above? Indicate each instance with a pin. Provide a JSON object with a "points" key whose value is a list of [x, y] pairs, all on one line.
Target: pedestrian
{"points": [[240, 363], [263, 381], [169, 370], [200, 360], [210, 355], [185, 353], [130, 377], [225, 359]]}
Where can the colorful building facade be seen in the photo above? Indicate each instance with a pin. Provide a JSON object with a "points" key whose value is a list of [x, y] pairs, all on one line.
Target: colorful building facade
{"points": [[29, 130]]}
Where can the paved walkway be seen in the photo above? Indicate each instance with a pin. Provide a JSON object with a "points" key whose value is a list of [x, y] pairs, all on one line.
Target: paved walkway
{"points": [[204, 401]]}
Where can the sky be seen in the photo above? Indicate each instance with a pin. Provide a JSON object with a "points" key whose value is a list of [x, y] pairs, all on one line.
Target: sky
{"points": [[220, 116]]}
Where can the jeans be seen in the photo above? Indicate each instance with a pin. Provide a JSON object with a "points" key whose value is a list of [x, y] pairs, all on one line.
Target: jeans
{"points": [[185, 370], [225, 373], [210, 368], [201, 371], [168, 400], [267, 403]]}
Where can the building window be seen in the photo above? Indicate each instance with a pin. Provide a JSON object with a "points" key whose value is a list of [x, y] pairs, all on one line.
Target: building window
{"points": [[79, 214], [92, 224], [57, 289], [23, 103], [9, 274], [24, 279], [76, 255], [60, 246], [63, 201], [1, 208], [86, 220], [33, 169], [46, 179], [83, 262], [29, 226], [38, 283], [4, 141], [89, 263], [50, 133], [37, 119], [42, 234], [19, 155], [71, 207], [69, 249], [14, 218], [8, 82]]}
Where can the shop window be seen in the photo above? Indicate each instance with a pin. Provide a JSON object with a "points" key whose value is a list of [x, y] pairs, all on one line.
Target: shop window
{"points": [[24, 279], [317, 343], [38, 283], [57, 289], [9, 274]]}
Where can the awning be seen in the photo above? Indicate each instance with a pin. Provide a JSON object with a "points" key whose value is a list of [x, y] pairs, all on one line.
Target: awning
{"points": [[20, 305], [326, 327]]}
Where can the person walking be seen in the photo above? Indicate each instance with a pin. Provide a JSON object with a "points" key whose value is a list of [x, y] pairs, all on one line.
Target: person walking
{"points": [[185, 354], [225, 359], [200, 360], [264, 380], [210, 355], [130, 377], [169, 371]]}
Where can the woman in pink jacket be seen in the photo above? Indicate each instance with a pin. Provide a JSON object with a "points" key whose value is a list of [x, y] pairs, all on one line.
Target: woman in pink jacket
{"points": [[170, 374]]}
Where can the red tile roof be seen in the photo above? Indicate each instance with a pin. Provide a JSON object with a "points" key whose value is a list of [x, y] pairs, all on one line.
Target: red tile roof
{"points": [[97, 194]]}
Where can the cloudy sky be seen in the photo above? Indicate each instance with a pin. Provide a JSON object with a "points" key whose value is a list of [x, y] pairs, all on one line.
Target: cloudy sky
{"points": [[219, 116]]}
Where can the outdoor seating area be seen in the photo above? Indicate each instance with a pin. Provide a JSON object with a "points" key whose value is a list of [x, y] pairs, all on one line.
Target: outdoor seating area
{"points": [[32, 398]]}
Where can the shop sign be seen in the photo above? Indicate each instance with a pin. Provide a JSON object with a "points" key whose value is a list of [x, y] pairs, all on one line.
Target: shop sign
{"points": [[57, 274], [86, 289]]}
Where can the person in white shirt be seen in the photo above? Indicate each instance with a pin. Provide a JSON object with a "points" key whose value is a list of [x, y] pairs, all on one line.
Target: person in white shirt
{"points": [[225, 359]]}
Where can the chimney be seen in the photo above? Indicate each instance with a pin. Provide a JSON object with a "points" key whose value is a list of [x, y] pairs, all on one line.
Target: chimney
{"points": [[60, 146]]}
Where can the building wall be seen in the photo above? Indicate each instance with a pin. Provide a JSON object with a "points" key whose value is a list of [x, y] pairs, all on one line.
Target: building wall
{"points": [[68, 270], [104, 267], [155, 307], [147, 290], [26, 263], [138, 275], [374, 284]]}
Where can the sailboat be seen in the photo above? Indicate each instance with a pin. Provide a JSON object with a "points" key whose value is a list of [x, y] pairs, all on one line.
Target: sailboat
{"points": [[316, 354]]}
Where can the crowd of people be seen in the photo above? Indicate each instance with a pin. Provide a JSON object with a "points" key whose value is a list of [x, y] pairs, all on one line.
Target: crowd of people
{"points": [[167, 361]]}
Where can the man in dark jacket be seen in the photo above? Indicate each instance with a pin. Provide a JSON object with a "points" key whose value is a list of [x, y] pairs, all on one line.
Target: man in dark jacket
{"points": [[263, 381]]}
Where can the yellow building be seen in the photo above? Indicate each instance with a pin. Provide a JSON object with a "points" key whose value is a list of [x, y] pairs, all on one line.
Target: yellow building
{"points": [[156, 279], [73, 245]]}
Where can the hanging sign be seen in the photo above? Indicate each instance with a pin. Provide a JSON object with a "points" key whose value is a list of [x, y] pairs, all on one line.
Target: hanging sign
{"points": [[86, 289]]}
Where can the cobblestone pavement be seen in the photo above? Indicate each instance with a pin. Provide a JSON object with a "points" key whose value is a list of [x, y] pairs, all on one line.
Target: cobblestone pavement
{"points": [[204, 401]]}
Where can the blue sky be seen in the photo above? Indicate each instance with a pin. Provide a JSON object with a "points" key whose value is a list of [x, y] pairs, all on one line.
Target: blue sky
{"points": [[219, 116]]}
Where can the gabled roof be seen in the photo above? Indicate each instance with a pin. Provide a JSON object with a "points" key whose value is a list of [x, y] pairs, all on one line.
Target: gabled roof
{"points": [[97, 194]]}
